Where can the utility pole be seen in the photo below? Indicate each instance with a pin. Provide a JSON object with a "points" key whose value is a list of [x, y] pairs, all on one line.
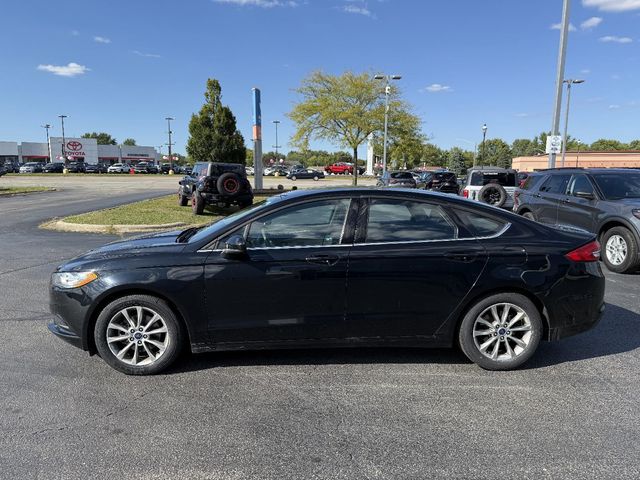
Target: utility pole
{"points": [[62, 117], [168, 119], [564, 36], [46, 126], [387, 92], [569, 82], [484, 138], [276, 146]]}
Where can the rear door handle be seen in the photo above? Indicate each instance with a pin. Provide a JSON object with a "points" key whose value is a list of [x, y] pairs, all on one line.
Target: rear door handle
{"points": [[461, 257], [328, 260]]}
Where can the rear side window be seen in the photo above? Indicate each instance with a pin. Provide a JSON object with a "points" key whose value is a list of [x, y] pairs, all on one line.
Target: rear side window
{"points": [[531, 182], [481, 225], [396, 220], [556, 184]]}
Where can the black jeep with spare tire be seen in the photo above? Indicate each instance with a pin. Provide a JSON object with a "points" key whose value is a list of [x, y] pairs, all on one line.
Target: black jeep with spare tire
{"points": [[213, 183]]}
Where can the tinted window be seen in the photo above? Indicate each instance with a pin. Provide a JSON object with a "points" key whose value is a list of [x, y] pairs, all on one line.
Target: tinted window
{"points": [[556, 184], [309, 224], [615, 186], [401, 175], [199, 169], [481, 225], [445, 177], [394, 220], [531, 181], [506, 179], [580, 183]]}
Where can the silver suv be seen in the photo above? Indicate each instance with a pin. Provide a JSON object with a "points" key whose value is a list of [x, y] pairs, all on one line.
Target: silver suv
{"points": [[492, 185]]}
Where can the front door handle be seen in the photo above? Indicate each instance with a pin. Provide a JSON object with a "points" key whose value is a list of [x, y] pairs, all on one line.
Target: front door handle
{"points": [[329, 260], [461, 257]]}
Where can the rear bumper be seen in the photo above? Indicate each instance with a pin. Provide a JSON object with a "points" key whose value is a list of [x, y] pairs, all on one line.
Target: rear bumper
{"points": [[570, 330]]}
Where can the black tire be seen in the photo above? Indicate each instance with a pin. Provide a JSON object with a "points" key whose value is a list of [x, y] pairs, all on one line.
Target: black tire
{"points": [[229, 183], [175, 335], [493, 194], [620, 235], [183, 200], [529, 215], [467, 340], [197, 203]]}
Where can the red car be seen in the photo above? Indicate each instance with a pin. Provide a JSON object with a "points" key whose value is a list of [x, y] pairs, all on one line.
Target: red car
{"points": [[339, 168]]}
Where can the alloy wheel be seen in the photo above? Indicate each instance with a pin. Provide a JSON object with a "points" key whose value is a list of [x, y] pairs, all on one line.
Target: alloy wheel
{"points": [[616, 250], [502, 331], [137, 336]]}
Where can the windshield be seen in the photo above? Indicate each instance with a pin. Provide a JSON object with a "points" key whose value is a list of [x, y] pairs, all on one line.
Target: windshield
{"points": [[220, 225], [615, 186]]}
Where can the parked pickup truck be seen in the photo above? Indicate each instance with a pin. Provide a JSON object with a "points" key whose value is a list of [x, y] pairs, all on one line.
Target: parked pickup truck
{"points": [[213, 183]]}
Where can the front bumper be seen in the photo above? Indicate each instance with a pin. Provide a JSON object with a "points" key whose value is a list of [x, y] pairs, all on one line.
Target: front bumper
{"points": [[65, 334]]}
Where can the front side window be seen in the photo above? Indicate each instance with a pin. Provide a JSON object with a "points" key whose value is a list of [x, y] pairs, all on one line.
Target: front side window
{"points": [[556, 184], [396, 220], [311, 224], [616, 186], [580, 183]]}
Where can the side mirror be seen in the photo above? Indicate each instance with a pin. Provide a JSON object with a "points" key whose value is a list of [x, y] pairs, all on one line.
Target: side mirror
{"points": [[235, 246], [585, 195]]}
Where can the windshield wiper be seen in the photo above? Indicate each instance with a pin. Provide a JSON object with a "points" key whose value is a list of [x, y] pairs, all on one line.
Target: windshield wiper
{"points": [[185, 235]]}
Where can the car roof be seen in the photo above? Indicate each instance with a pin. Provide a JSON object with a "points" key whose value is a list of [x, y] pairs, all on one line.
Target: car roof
{"points": [[586, 170]]}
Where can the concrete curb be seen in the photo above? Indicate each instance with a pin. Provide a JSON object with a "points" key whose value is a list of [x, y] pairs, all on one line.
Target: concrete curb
{"points": [[62, 226]]}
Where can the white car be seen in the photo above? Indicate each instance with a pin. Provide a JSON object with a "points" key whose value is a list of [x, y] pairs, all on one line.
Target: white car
{"points": [[31, 167], [492, 185], [118, 168], [249, 170]]}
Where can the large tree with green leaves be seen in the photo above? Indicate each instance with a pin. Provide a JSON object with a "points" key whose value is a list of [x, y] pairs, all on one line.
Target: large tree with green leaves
{"points": [[346, 109], [456, 161], [496, 152], [130, 142], [102, 138], [213, 134]]}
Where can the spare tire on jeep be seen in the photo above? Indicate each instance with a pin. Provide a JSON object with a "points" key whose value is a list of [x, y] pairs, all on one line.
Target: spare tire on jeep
{"points": [[229, 183], [493, 194]]}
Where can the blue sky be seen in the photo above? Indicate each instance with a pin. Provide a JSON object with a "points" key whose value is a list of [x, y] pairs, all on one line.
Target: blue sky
{"points": [[122, 66]]}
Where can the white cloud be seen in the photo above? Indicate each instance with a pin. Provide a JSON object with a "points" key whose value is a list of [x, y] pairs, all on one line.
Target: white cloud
{"points": [[70, 70], [613, 5], [147, 55], [437, 88], [614, 39], [558, 26], [357, 10], [614, 106], [99, 39], [590, 23], [585, 71], [260, 3]]}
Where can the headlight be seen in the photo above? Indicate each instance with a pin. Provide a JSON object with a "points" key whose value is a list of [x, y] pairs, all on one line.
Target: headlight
{"points": [[636, 212], [72, 279]]}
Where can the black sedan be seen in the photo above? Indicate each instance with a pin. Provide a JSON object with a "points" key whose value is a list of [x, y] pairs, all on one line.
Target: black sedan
{"points": [[305, 173], [340, 267]]}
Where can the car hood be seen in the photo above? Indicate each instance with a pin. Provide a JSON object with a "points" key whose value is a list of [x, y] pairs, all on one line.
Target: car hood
{"points": [[143, 251]]}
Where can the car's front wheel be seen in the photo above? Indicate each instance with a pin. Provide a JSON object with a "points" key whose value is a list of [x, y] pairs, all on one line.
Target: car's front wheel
{"points": [[620, 250], [197, 203], [183, 200], [138, 335], [501, 332]]}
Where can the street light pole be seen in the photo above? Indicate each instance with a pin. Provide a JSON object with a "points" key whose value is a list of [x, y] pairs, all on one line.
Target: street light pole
{"points": [[484, 138], [387, 92], [564, 36], [46, 126], [569, 82], [62, 117], [168, 119], [276, 146]]}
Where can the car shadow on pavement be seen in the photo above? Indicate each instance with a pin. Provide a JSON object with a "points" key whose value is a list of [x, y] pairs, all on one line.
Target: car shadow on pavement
{"points": [[614, 334], [617, 332]]}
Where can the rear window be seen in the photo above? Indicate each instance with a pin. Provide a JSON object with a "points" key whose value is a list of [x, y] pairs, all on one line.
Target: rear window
{"points": [[445, 176], [220, 169], [480, 179], [401, 175], [481, 225]]}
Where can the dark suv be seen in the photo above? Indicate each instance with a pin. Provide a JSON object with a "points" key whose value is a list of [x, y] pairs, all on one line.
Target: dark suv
{"points": [[602, 200], [212, 183]]}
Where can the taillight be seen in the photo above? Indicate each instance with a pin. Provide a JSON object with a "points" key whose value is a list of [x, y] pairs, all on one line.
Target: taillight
{"points": [[586, 253], [465, 193]]}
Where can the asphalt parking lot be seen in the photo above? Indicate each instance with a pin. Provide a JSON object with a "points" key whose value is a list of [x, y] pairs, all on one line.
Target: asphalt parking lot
{"points": [[330, 414]]}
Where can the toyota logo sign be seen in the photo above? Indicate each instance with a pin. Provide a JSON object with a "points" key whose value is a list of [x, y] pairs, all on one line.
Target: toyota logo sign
{"points": [[74, 146]]}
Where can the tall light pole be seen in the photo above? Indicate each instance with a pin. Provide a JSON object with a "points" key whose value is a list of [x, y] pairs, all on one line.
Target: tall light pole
{"points": [[62, 117], [276, 146], [569, 82], [564, 36], [168, 119], [484, 138], [46, 126], [387, 92]]}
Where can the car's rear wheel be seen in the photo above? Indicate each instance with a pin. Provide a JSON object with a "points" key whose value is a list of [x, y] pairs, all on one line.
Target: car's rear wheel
{"points": [[138, 335], [294, 178], [620, 250], [316, 178], [529, 215], [501, 332], [197, 203]]}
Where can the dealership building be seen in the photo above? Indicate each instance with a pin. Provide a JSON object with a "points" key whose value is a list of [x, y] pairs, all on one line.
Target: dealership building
{"points": [[84, 150], [588, 159]]}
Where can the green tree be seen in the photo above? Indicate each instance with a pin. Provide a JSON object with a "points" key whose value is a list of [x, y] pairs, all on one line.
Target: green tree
{"points": [[497, 153], [522, 147], [456, 161], [213, 135], [102, 138], [433, 155], [345, 110], [634, 145], [607, 145], [129, 141]]}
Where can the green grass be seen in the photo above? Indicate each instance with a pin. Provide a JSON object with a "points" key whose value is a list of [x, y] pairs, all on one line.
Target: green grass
{"points": [[156, 211], [16, 190]]}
